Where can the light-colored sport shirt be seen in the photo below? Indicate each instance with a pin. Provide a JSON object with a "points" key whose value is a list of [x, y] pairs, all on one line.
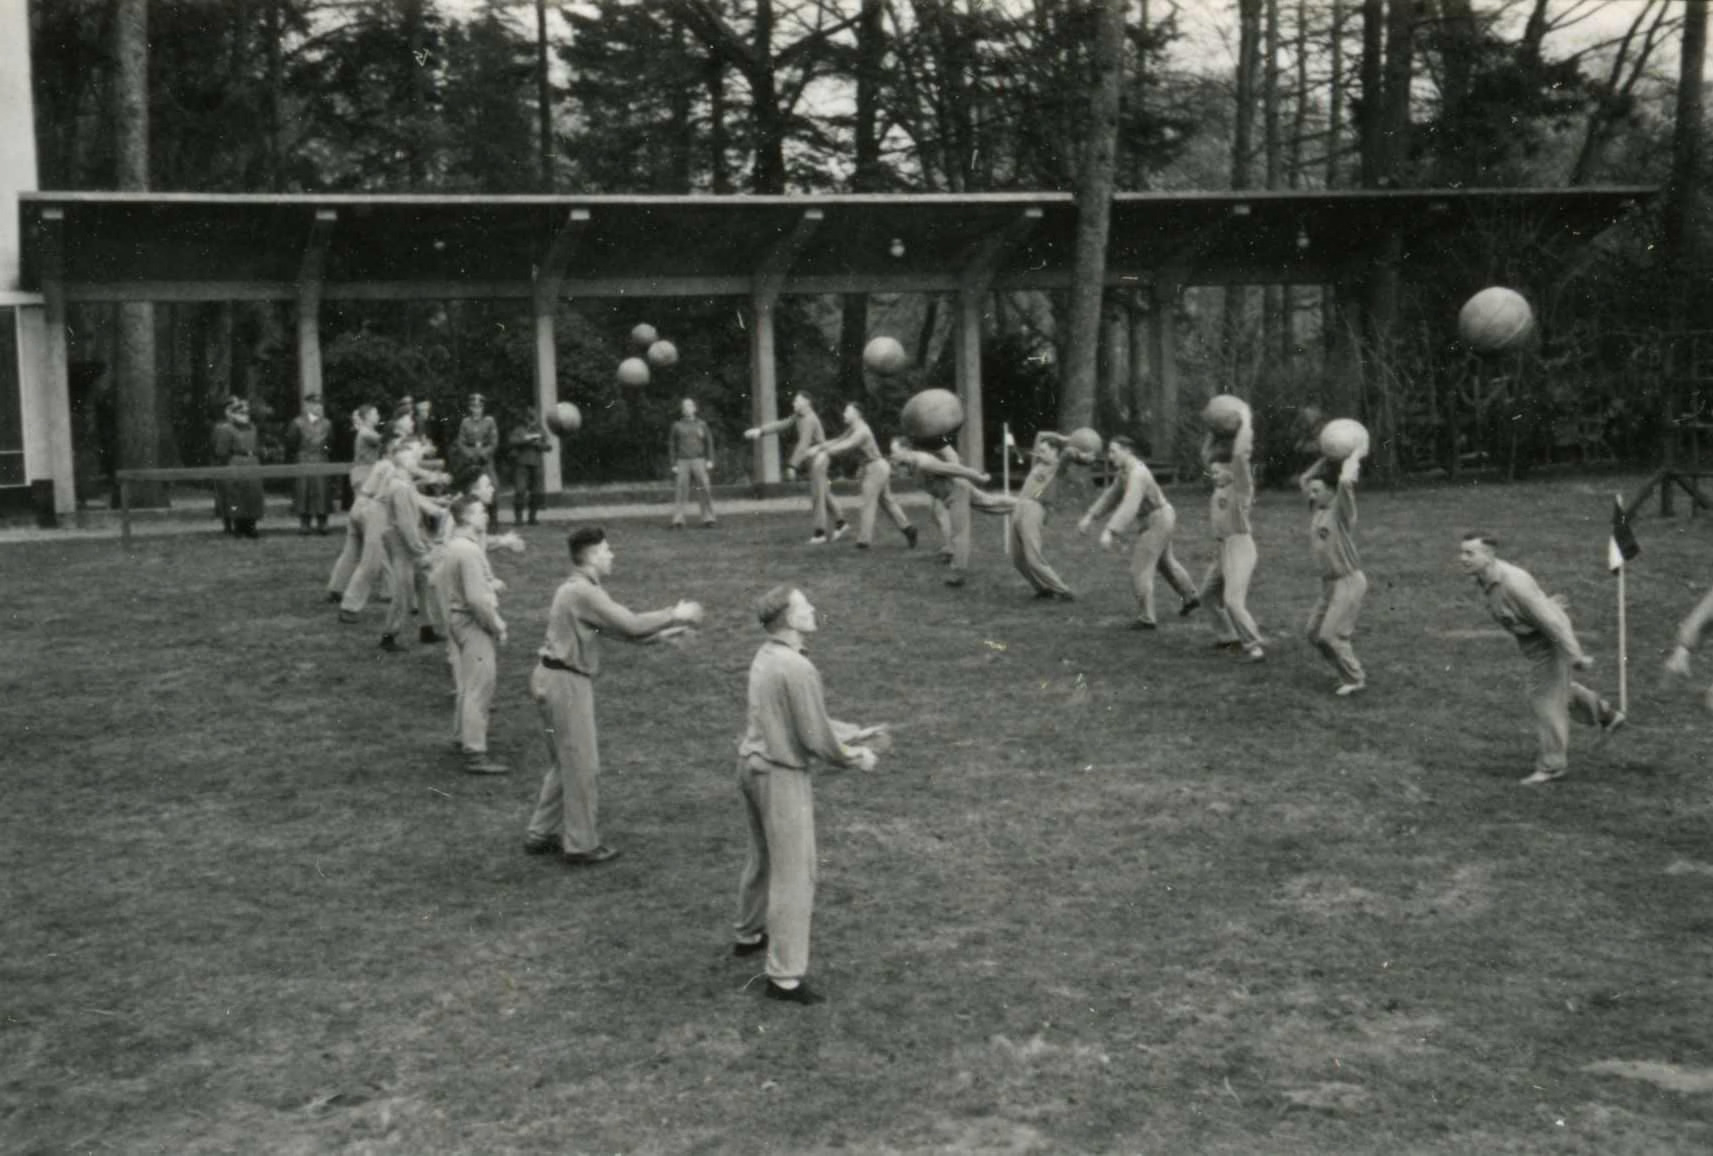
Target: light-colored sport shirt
{"points": [[581, 610], [1331, 534], [809, 434], [1518, 604], [1133, 496], [787, 723]]}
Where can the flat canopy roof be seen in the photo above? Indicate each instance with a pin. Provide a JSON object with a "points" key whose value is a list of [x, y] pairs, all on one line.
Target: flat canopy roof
{"points": [[194, 246]]}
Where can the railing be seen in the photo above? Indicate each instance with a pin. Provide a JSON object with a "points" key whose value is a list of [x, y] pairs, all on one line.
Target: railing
{"points": [[216, 474]]}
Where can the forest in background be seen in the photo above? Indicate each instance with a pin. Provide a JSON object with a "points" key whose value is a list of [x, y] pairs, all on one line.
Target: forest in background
{"points": [[797, 96]]}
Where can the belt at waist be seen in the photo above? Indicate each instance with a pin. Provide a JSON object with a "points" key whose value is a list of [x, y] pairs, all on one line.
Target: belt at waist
{"points": [[552, 663]]}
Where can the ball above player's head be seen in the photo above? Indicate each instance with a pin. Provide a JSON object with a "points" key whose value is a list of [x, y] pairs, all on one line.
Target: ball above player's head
{"points": [[644, 335], [1496, 320], [1223, 413], [564, 419], [932, 413], [1084, 442], [1342, 437], [885, 355], [662, 354], [633, 371]]}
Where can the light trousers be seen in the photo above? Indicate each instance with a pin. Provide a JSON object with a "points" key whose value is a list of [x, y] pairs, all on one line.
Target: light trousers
{"points": [[825, 509], [411, 587], [1027, 518], [684, 472], [1151, 555], [776, 892], [363, 561], [1690, 632], [474, 666], [877, 494], [1332, 623], [1226, 590], [1555, 699], [570, 791]]}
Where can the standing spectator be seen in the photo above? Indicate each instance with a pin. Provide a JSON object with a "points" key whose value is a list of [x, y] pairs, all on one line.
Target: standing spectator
{"points": [[528, 442], [478, 442], [692, 450], [307, 441], [235, 445]]}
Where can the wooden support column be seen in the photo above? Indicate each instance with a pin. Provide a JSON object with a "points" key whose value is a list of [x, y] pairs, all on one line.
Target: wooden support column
{"points": [[975, 281], [54, 388], [764, 374], [1163, 364], [544, 303], [310, 274]]}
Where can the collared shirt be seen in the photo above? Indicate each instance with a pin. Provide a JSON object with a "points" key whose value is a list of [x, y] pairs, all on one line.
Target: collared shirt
{"points": [[1518, 604], [1132, 496], [581, 610], [860, 438], [1332, 537], [464, 582], [809, 434], [308, 437], [788, 723], [404, 514], [1229, 506], [691, 438], [478, 438], [1044, 469]]}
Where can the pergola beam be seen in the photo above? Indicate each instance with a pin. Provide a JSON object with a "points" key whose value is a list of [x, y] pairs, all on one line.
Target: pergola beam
{"points": [[765, 286], [310, 273], [545, 288]]}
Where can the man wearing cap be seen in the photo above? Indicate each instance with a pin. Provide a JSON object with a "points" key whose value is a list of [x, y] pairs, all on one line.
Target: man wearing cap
{"points": [[563, 685], [307, 441], [1135, 498], [528, 442], [858, 439], [235, 445], [787, 726], [691, 448], [478, 442], [1547, 639], [809, 435]]}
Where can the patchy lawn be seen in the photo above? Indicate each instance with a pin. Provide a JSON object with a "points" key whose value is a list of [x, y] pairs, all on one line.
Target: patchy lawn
{"points": [[1111, 892]]}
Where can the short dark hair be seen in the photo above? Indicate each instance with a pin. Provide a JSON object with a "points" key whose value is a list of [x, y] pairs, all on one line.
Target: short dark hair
{"points": [[770, 608], [466, 478], [1482, 536], [583, 539], [1125, 441], [460, 506]]}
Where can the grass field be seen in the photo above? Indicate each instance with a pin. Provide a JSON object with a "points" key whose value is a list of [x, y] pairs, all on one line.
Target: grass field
{"points": [[1111, 892]]}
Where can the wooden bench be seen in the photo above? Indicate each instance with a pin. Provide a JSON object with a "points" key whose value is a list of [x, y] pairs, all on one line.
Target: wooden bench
{"points": [[126, 478]]}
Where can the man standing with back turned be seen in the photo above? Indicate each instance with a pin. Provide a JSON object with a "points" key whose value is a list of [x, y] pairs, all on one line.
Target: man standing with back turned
{"points": [[1543, 631], [787, 726], [563, 684]]}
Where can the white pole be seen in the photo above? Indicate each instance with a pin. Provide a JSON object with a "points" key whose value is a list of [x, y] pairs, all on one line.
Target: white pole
{"points": [[1623, 644], [1005, 480]]}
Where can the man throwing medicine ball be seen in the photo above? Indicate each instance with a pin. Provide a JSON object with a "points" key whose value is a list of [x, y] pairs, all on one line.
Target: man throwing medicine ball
{"points": [[563, 685]]}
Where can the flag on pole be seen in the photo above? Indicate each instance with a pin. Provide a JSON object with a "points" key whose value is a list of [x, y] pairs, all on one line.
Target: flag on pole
{"points": [[1622, 546]]}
